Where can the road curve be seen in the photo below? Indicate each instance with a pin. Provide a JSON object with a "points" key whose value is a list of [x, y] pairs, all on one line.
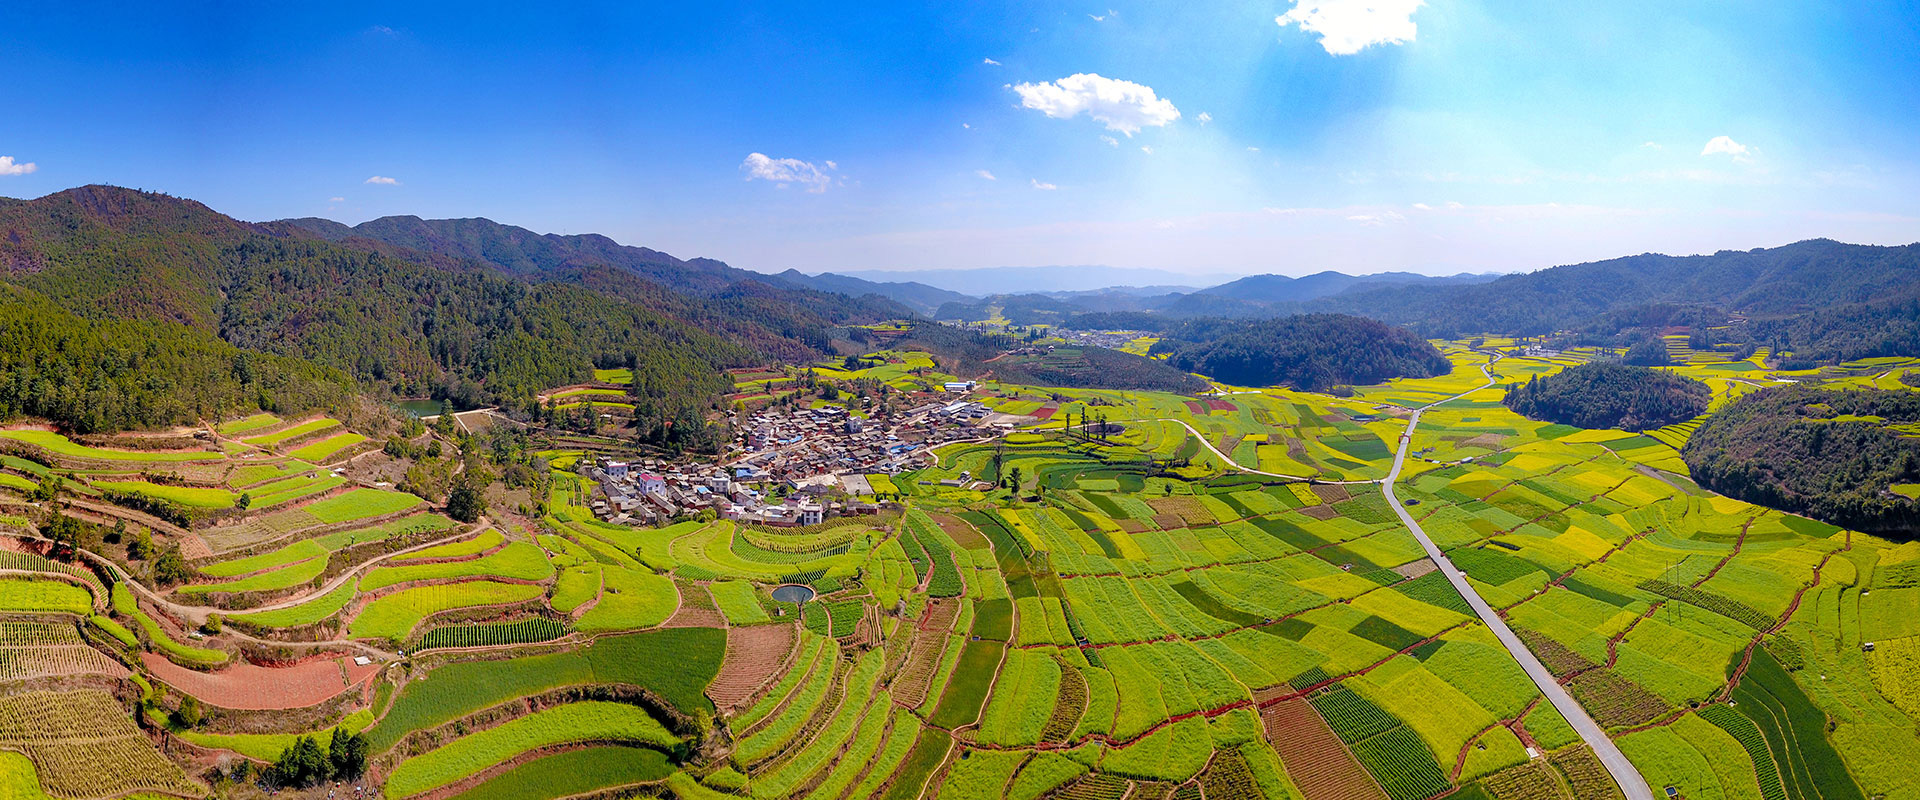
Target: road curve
{"points": [[1624, 773], [1234, 465]]}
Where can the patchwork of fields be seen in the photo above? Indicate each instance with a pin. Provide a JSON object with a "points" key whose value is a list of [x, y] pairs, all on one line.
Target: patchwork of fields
{"points": [[1139, 618]]}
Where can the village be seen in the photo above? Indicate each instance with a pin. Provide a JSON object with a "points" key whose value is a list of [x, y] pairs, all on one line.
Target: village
{"points": [[792, 467]]}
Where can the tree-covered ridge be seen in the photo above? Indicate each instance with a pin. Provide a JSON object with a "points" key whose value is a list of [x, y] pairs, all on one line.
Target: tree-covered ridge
{"points": [[408, 321], [1095, 368], [108, 375], [1610, 395], [470, 335], [1313, 352], [1827, 454]]}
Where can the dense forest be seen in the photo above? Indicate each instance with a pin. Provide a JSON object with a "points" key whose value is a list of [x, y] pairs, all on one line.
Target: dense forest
{"points": [[972, 354], [1826, 454], [1608, 395], [107, 375], [208, 290], [1314, 352], [1095, 368]]}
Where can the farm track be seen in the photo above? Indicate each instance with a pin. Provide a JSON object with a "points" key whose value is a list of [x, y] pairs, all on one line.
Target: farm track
{"points": [[1631, 783]]}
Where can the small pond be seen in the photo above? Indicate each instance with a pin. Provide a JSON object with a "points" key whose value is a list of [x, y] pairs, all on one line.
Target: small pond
{"points": [[793, 593], [420, 408]]}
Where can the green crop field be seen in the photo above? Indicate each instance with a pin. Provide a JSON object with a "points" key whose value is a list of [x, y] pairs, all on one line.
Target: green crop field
{"points": [[62, 446], [1119, 627], [394, 616], [293, 432], [588, 721], [360, 504], [325, 448]]}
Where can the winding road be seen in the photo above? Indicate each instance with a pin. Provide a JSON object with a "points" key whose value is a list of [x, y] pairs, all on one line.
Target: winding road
{"points": [[1629, 779]]}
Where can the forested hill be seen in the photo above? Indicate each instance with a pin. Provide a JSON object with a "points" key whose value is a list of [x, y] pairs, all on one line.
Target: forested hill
{"points": [[1610, 395], [1314, 352], [1778, 282], [1828, 454], [710, 291], [391, 317]]}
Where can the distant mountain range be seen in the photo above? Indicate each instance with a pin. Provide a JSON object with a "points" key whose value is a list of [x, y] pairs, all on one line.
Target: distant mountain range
{"points": [[1026, 280]]}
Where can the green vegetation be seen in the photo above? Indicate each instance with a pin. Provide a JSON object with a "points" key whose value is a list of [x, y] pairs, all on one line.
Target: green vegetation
{"points": [[574, 772], [585, 721], [1313, 352], [1815, 452], [1607, 395]]}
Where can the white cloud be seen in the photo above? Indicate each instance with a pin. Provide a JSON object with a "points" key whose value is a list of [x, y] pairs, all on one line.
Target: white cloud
{"points": [[9, 167], [990, 62], [1204, 117], [784, 171], [1046, 186], [1252, 149], [1455, 204], [1122, 106], [1423, 206], [1381, 218], [1103, 17], [833, 165], [382, 180], [1146, 149], [1111, 142], [381, 30], [1349, 26], [1652, 146], [965, 125], [1723, 145], [336, 200], [985, 174]]}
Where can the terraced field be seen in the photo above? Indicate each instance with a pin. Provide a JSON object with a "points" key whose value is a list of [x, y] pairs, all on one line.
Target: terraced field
{"points": [[1144, 619]]}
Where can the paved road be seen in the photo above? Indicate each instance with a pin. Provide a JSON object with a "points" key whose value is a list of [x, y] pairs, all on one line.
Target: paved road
{"points": [[1623, 772], [1231, 464]]}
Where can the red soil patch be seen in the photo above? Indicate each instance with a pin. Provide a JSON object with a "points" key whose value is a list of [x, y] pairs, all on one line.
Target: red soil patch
{"points": [[1046, 412], [755, 657], [1217, 404], [1197, 407], [249, 687], [1318, 763]]}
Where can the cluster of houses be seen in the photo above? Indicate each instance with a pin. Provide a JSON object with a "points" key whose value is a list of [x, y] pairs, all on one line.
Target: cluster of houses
{"points": [[653, 493], [793, 467]]}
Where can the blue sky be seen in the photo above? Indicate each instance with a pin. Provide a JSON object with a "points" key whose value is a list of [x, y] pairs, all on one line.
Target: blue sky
{"points": [[1199, 137]]}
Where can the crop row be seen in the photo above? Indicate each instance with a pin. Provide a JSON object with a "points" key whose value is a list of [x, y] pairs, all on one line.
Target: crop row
{"points": [[521, 631], [1744, 732], [1718, 604], [83, 744]]}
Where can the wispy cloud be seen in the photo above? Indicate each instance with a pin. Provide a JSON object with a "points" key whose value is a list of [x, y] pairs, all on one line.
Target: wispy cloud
{"points": [[985, 174], [382, 30], [1103, 17], [990, 62], [1146, 149], [1204, 118], [382, 180], [336, 200], [786, 171], [1038, 184], [1111, 142], [1349, 26], [1122, 106], [10, 167]]}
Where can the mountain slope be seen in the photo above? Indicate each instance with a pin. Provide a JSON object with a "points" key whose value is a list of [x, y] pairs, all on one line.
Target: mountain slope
{"points": [[398, 319], [1778, 282]]}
